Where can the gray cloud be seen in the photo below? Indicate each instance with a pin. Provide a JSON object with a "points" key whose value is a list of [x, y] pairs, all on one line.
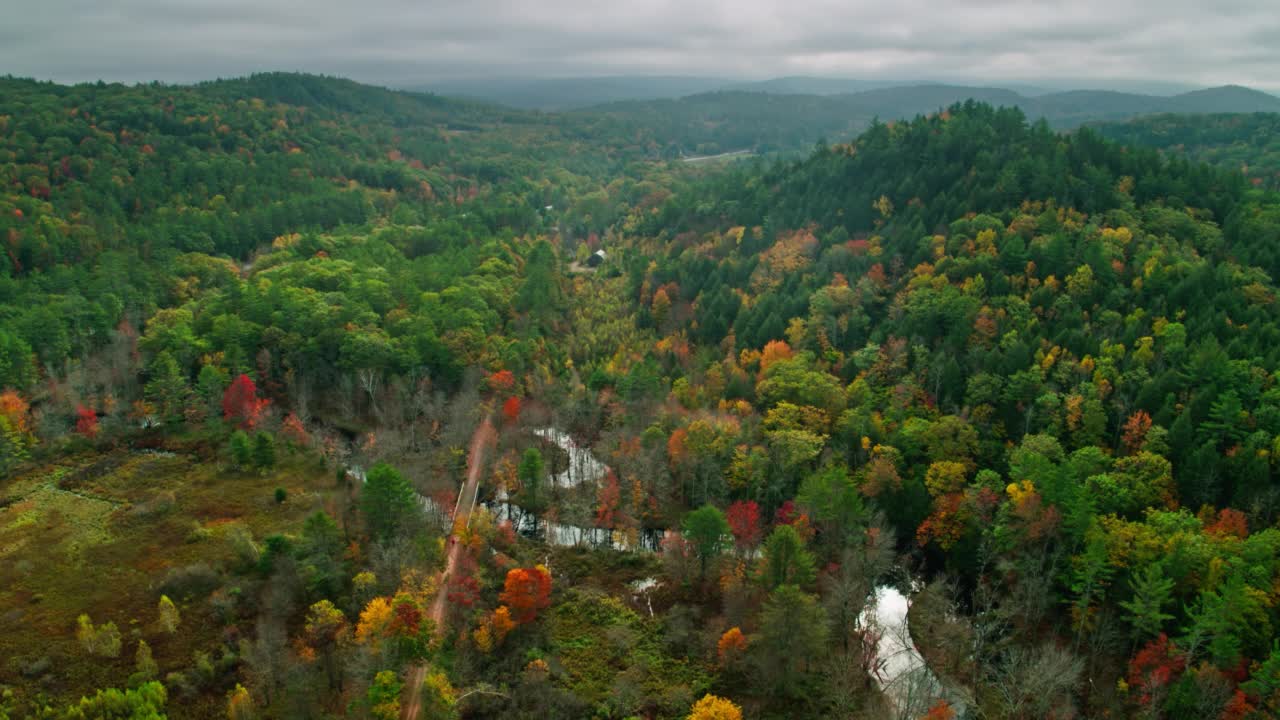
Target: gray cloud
{"points": [[1102, 42]]}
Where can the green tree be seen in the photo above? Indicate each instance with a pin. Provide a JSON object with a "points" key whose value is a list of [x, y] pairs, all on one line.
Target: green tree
{"points": [[241, 449], [793, 637], [387, 500], [210, 384], [318, 555], [145, 702], [531, 498], [167, 388], [383, 696], [709, 532], [1152, 591], [1264, 683], [832, 500], [264, 451], [786, 561]]}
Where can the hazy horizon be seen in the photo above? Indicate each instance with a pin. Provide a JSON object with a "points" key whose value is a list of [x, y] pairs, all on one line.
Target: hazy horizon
{"points": [[1124, 44]]}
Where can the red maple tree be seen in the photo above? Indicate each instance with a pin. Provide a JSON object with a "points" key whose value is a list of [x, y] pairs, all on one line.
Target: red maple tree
{"points": [[608, 499], [744, 522], [241, 404], [86, 422], [1157, 665]]}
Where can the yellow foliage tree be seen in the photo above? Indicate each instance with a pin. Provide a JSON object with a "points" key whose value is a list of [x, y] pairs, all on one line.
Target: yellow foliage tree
{"points": [[374, 621], [240, 704], [944, 477], [712, 707], [169, 617]]}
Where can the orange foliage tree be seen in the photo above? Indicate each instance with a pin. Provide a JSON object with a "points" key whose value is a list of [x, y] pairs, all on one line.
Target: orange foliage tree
{"points": [[526, 591], [774, 351], [1135, 431], [14, 409], [511, 409], [608, 501], [731, 646], [1229, 523], [501, 383], [941, 710]]}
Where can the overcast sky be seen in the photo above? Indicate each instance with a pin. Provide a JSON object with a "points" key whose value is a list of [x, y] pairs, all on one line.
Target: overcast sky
{"points": [[1198, 42]]}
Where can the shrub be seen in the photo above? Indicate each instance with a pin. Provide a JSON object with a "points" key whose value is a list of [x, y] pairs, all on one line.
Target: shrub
{"points": [[102, 640], [190, 582]]}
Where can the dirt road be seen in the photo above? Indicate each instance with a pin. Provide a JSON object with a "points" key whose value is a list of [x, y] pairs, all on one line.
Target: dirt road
{"points": [[484, 436]]}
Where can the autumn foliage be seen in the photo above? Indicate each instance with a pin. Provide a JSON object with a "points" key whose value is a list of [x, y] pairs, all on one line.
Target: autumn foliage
{"points": [[526, 591], [293, 429], [1230, 523], [501, 383], [86, 422], [940, 711], [241, 404], [14, 409], [608, 500], [744, 522], [712, 707], [1135, 430], [511, 409], [774, 351], [731, 646], [1157, 665]]}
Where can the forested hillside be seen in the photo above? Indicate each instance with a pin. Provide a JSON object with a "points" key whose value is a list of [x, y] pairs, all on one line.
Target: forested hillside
{"points": [[317, 401], [1247, 142]]}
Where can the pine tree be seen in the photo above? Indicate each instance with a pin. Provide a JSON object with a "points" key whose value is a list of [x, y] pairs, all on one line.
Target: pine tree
{"points": [[1152, 591], [264, 451], [167, 388], [241, 449], [387, 500], [786, 562]]}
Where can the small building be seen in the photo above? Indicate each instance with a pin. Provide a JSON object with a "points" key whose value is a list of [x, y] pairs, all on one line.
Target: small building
{"points": [[597, 259]]}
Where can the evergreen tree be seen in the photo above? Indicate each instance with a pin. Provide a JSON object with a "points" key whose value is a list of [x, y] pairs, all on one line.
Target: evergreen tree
{"points": [[264, 451], [786, 561], [241, 449], [1152, 592], [388, 501], [167, 388]]}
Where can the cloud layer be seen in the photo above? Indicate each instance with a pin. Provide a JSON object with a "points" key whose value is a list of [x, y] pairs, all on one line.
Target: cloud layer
{"points": [[413, 41]]}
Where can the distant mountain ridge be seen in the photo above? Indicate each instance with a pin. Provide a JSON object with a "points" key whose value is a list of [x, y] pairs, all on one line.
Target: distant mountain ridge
{"points": [[895, 97], [709, 123]]}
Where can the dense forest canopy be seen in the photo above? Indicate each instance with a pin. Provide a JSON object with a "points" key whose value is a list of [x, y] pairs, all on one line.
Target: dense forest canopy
{"points": [[322, 400]]}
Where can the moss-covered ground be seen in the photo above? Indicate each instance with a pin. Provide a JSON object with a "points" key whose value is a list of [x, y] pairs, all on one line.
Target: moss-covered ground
{"points": [[101, 533]]}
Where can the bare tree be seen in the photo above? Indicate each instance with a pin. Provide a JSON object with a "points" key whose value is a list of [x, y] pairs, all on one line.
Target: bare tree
{"points": [[1033, 682]]}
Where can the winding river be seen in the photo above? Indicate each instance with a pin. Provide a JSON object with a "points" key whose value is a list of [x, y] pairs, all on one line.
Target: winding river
{"points": [[900, 671]]}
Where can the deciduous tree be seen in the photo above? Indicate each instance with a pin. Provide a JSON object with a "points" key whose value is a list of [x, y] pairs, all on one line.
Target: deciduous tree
{"points": [[526, 591], [708, 530]]}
